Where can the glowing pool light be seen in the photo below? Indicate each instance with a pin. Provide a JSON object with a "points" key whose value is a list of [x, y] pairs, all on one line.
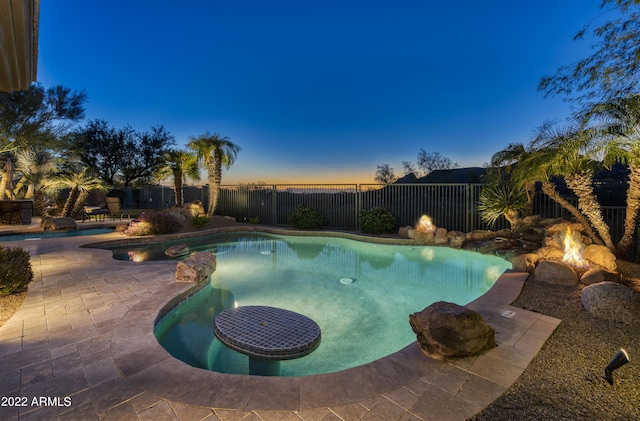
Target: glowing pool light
{"points": [[426, 225]]}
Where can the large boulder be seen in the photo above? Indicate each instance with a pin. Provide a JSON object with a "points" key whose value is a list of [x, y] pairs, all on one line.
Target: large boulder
{"points": [[600, 255], [555, 273], [447, 330], [196, 267], [54, 224], [612, 301]]}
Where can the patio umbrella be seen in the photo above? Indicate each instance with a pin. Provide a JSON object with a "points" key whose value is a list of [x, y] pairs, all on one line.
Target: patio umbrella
{"points": [[9, 184]]}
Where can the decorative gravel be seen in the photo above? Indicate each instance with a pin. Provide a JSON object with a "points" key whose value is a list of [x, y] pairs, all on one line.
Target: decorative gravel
{"points": [[565, 381]]}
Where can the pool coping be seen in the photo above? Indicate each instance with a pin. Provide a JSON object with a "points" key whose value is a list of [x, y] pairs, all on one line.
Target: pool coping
{"points": [[146, 364]]}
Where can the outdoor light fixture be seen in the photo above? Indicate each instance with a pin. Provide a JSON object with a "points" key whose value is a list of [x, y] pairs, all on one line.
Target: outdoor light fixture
{"points": [[620, 359]]}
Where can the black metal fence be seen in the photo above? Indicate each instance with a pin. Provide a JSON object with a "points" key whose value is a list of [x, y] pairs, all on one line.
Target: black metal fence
{"points": [[454, 206]]}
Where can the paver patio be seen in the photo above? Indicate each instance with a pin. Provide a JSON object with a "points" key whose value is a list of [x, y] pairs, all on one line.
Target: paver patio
{"points": [[85, 332]]}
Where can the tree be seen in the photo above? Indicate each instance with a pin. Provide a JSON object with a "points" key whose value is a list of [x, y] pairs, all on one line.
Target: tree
{"points": [[214, 151], [103, 148], [431, 161], [181, 165], [36, 167], [385, 174], [144, 154], [618, 122], [38, 117], [121, 155], [613, 69], [80, 182], [572, 156], [408, 168]]}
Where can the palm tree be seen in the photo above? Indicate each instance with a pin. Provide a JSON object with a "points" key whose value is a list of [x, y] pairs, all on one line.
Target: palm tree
{"points": [[569, 152], [36, 166], [618, 122], [535, 166], [214, 151], [81, 184], [181, 165]]}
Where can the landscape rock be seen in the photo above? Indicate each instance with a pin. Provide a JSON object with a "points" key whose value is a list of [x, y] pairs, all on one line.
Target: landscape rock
{"points": [[456, 239], [596, 275], [524, 262], [440, 236], [177, 250], [600, 255], [54, 224], [550, 253], [196, 267], [403, 232], [611, 301], [447, 330], [481, 235], [555, 273], [421, 237]]}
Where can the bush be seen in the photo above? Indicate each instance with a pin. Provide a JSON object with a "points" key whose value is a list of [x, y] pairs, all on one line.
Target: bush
{"points": [[200, 221], [377, 221], [307, 218], [15, 270], [155, 223]]}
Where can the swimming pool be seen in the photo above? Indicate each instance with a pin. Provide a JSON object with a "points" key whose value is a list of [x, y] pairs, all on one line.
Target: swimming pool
{"points": [[359, 293]]}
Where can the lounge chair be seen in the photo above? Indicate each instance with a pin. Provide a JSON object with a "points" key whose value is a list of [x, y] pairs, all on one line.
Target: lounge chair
{"points": [[115, 209], [97, 212]]}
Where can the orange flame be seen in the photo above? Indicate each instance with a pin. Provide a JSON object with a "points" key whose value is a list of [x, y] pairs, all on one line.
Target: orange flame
{"points": [[572, 249]]}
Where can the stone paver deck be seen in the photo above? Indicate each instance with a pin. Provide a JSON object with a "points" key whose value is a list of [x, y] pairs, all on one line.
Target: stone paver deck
{"points": [[82, 345]]}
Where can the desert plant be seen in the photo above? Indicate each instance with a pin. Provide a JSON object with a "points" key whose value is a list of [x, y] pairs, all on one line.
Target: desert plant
{"points": [[254, 220], [155, 223], [15, 270], [200, 221], [377, 221], [307, 218]]}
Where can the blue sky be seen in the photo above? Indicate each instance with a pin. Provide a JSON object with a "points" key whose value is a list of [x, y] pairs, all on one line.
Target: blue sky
{"points": [[318, 91]]}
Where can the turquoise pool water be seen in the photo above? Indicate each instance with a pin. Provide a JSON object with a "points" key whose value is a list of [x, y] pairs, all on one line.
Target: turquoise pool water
{"points": [[55, 234], [360, 294]]}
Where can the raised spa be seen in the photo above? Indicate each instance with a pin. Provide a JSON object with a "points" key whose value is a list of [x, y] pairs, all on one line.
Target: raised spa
{"points": [[359, 293]]}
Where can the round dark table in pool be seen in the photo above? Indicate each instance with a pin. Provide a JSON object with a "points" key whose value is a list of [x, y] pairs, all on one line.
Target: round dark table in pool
{"points": [[267, 335]]}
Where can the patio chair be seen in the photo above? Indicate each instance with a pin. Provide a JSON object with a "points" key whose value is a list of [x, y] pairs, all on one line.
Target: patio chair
{"points": [[97, 212], [115, 209]]}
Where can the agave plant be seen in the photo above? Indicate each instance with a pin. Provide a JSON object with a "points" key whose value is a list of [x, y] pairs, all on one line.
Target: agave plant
{"points": [[502, 199]]}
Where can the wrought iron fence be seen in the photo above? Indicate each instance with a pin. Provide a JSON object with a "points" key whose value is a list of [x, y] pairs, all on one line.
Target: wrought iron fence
{"points": [[453, 206]]}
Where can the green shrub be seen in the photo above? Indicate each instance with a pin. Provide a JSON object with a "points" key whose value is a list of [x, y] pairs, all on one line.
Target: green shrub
{"points": [[307, 218], [254, 220], [200, 221], [155, 223], [15, 270], [377, 221]]}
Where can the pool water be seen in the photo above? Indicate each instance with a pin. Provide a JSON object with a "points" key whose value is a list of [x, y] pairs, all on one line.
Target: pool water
{"points": [[359, 293], [55, 234]]}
